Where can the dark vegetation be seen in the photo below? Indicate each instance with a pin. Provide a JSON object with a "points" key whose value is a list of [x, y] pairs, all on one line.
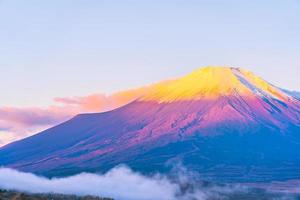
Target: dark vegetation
{"points": [[13, 195], [253, 194]]}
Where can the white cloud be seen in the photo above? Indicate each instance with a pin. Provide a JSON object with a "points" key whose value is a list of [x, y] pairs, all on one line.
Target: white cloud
{"points": [[119, 183]]}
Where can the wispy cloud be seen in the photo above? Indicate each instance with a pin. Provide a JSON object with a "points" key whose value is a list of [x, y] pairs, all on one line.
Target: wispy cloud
{"points": [[31, 116], [17, 123], [123, 183], [119, 183], [102, 102]]}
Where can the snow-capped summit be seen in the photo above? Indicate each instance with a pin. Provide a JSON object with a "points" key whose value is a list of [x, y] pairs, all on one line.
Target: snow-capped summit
{"points": [[211, 83]]}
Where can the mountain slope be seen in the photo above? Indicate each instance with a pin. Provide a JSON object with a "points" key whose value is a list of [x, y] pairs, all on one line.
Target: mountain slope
{"points": [[225, 123]]}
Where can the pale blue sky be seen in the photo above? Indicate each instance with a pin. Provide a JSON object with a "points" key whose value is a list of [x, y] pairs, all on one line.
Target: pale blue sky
{"points": [[77, 47]]}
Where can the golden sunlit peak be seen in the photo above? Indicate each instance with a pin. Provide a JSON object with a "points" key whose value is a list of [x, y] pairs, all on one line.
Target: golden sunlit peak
{"points": [[206, 82], [216, 71], [210, 82], [212, 68]]}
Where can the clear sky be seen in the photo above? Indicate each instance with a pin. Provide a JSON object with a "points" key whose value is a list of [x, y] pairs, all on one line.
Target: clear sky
{"points": [[63, 48]]}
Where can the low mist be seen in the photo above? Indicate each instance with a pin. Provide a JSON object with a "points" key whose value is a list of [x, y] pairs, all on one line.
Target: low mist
{"points": [[122, 183]]}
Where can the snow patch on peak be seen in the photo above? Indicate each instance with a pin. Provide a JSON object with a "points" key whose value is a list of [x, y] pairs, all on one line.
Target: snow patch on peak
{"points": [[258, 86], [250, 86]]}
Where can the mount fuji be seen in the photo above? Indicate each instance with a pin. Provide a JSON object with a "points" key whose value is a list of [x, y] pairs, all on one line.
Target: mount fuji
{"points": [[226, 124]]}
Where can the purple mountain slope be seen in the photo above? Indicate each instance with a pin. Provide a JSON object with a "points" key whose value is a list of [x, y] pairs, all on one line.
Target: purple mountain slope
{"points": [[241, 129]]}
